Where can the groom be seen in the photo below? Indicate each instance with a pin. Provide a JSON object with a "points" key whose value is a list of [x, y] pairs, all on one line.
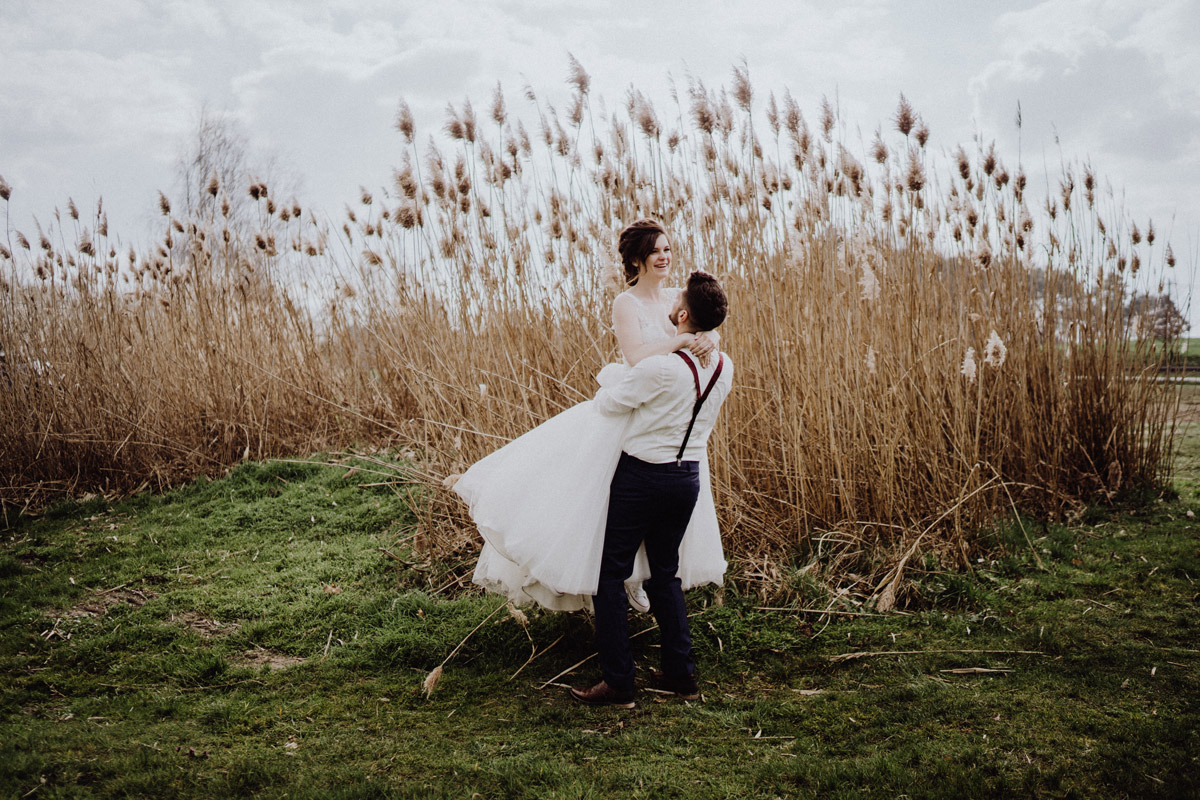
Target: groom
{"points": [[673, 403]]}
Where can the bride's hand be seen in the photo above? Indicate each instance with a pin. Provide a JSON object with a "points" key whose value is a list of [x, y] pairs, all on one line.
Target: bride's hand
{"points": [[702, 346]]}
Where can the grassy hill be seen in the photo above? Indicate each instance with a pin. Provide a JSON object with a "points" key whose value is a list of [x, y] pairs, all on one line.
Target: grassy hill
{"points": [[269, 633]]}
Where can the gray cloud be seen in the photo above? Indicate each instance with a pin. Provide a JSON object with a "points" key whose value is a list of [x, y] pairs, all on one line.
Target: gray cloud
{"points": [[1105, 82], [99, 97]]}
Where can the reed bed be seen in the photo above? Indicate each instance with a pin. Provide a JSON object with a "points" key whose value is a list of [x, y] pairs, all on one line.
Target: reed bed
{"points": [[922, 344]]}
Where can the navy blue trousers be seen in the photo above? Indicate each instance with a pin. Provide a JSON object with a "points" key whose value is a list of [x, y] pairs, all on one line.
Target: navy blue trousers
{"points": [[649, 503]]}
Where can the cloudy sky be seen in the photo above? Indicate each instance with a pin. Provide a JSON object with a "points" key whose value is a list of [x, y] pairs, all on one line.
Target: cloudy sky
{"points": [[99, 97]]}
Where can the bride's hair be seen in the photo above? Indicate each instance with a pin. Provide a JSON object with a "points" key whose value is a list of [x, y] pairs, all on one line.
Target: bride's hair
{"points": [[705, 301], [636, 242]]}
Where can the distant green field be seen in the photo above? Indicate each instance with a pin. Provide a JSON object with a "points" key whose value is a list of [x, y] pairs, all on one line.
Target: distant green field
{"points": [[1185, 351], [1190, 345]]}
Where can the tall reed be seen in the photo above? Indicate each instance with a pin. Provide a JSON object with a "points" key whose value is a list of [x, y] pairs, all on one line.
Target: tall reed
{"points": [[921, 343]]}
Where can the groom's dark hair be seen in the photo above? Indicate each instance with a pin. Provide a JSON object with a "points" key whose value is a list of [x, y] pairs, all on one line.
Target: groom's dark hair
{"points": [[705, 301]]}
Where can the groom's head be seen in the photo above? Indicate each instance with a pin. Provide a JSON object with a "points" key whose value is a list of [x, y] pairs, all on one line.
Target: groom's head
{"points": [[701, 306]]}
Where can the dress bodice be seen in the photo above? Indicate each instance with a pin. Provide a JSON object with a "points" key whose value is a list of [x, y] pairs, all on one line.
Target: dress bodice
{"points": [[654, 326], [652, 317]]}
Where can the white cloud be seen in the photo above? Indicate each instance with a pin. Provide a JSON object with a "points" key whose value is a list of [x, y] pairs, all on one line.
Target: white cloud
{"points": [[1112, 81], [289, 40], [317, 81], [1123, 49], [85, 96], [198, 19], [1065, 26]]}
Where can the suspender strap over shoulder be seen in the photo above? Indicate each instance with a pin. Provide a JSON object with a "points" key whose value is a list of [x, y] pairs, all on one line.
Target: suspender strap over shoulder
{"points": [[701, 396]]}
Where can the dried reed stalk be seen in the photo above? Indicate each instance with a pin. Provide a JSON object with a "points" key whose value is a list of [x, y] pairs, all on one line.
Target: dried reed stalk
{"points": [[918, 341]]}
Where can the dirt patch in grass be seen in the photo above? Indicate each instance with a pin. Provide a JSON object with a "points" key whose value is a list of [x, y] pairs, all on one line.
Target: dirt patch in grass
{"points": [[1189, 411], [1189, 404], [208, 628], [260, 657], [98, 603]]}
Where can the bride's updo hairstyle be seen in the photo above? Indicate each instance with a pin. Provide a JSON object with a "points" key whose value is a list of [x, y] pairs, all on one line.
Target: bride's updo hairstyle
{"points": [[635, 243], [705, 301]]}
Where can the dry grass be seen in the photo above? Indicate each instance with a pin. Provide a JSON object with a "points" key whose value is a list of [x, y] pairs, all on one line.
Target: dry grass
{"points": [[921, 344]]}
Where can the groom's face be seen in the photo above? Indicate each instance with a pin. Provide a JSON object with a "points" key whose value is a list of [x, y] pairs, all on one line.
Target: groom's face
{"points": [[676, 309]]}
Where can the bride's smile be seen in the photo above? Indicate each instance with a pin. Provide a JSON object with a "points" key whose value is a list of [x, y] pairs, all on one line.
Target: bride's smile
{"points": [[659, 260]]}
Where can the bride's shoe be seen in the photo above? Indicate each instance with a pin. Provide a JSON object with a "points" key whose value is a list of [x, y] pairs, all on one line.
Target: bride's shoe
{"points": [[638, 600]]}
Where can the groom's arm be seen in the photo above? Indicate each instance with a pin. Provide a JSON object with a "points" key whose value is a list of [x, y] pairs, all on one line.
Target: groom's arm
{"points": [[641, 384]]}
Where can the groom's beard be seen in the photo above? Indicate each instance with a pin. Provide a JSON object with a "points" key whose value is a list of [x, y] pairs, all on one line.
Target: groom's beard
{"points": [[674, 318]]}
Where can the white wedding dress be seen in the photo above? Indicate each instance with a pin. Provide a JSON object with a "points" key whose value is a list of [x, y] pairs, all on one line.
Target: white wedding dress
{"points": [[541, 502]]}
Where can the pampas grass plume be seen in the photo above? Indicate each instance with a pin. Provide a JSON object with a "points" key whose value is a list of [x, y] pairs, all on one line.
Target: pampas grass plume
{"points": [[905, 116], [869, 283], [995, 351], [518, 615], [968, 367], [431, 680]]}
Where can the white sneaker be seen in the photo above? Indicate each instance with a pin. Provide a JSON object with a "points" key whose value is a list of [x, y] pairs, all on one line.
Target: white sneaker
{"points": [[638, 600]]}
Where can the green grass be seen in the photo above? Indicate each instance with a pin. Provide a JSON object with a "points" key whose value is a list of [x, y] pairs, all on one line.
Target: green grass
{"points": [[1185, 351], [1187, 451], [156, 696]]}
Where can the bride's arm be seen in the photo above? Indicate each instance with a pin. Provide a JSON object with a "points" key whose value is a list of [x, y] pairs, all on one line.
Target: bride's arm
{"points": [[629, 334]]}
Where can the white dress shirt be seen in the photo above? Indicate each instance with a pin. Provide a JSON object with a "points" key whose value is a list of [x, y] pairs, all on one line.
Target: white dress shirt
{"points": [[660, 393]]}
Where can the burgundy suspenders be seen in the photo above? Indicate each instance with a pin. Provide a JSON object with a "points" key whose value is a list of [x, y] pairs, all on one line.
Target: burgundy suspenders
{"points": [[700, 396]]}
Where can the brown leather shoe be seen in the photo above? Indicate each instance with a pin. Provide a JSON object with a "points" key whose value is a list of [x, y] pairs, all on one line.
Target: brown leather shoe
{"points": [[603, 695], [683, 686]]}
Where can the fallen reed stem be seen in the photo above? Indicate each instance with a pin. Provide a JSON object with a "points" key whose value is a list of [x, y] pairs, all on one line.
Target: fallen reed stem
{"points": [[853, 656]]}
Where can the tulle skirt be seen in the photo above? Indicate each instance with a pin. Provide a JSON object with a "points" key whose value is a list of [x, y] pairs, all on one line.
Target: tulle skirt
{"points": [[541, 502]]}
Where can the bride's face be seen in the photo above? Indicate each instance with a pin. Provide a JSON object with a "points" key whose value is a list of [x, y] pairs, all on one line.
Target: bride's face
{"points": [[658, 262]]}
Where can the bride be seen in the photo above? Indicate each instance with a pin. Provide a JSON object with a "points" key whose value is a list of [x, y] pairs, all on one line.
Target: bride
{"points": [[541, 501]]}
